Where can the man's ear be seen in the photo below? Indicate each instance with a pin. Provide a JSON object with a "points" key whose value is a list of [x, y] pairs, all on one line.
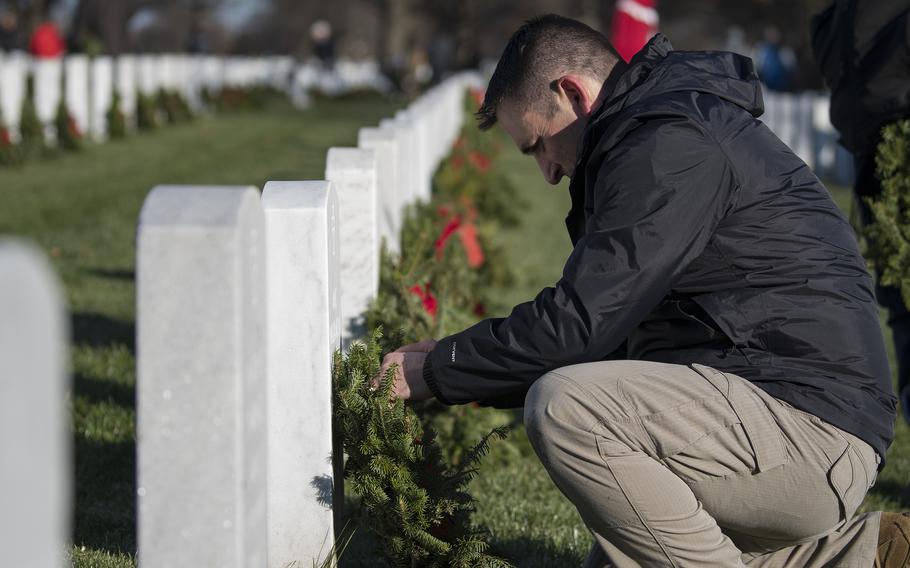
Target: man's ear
{"points": [[577, 93]]}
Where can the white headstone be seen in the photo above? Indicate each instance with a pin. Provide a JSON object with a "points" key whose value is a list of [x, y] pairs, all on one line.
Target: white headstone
{"points": [[167, 70], [148, 75], [13, 70], [382, 141], [35, 460], [48, 83], [803, 143], [162, 71], [77, 98], [214, 73], [102, 90], [201, 384], [406, 171], [304, 330], [417, 154], [125, 79], [353, 172]]}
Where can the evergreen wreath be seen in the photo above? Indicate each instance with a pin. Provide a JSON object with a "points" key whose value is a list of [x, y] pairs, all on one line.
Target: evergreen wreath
{"points": [[146, 112], [889, 235], [411, 499], [31, 130], [116, 120], [69, 137]]}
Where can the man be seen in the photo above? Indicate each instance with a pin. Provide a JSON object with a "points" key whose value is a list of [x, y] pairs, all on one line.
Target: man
{"points": [[707, 382], [863, 49]]}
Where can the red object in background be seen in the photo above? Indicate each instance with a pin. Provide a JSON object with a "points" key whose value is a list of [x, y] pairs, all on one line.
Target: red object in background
{"points": [[73, 127], [478, 96], [46, 41], [452, 226], [468, 234], [634, 23], [5, 139], [479, 161], [480, 309], [429, 302]]}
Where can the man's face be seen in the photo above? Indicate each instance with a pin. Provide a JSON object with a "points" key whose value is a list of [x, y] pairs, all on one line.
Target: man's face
{"points": [[552, 138]]}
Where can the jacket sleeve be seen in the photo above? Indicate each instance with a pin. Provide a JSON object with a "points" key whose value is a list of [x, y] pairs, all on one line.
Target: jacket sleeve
{"points": [[659, 195]]}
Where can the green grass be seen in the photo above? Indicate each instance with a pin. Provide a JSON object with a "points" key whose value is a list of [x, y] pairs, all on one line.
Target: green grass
{"points": [[82, 210]]}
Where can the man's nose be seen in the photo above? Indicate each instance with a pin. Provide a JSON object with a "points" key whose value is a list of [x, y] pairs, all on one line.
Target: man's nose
{"points": [[549, 170]]}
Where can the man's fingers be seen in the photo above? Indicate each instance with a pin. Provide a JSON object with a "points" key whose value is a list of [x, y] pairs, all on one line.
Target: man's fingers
{"points": [[424, 346], [387, 363]]}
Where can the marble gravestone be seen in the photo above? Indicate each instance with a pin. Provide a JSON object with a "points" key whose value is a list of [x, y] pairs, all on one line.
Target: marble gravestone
{"points": [[201, 382], [13, 70], [125, 86], [76, 90], [353, 173], [382, 141], [35, 460], [48, 82], [803, 144], [418, 154], [148, 81], [406, 174], [304, 330], [213, 74], [102, 81]]}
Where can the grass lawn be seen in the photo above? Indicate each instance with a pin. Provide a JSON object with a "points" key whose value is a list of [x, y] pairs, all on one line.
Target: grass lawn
{"points": [[82, 210]]}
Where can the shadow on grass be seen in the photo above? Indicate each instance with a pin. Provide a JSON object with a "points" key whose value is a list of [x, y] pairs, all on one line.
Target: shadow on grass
{"points": [[892, 490], [105, 496], [112, 274], [95, 330], [530, 553], [100, 391]]}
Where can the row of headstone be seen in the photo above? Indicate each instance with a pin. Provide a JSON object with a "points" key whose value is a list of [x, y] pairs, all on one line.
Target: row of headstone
{"points": [[242, 301], [35, 460], [343, 76], [87, 85], [801, 121]]}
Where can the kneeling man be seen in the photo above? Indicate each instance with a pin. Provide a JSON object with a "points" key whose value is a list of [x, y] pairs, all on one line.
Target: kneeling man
{"points": [[707, 382]]}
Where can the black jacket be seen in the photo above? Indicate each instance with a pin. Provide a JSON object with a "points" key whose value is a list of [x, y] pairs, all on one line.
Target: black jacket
{"points": [[863, 49], [699, 238]]}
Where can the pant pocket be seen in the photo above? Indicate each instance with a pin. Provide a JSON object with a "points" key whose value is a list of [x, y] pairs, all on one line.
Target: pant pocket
{"points": [[850, 480], [762, 432], [701, 439]]}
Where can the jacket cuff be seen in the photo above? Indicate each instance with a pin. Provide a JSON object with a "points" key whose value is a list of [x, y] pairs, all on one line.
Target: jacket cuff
{"points": [[430, 379]]}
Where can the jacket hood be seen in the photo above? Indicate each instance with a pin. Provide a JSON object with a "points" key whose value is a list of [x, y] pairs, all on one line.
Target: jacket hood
{"points": [[658, 70], [644, 87]]}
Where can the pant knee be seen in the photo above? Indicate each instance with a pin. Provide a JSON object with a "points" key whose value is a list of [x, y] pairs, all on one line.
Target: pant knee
{"points": [[538, 414]]}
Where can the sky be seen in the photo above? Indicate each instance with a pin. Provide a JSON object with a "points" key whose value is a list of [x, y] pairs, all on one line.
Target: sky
{"points": [[235, 13]]}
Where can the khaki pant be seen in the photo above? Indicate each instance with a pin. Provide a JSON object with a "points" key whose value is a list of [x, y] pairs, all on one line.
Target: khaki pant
{"points": [[687, 466]]}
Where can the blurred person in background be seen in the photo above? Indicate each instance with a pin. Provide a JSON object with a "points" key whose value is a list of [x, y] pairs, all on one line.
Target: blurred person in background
{"points": [[863, 49], [634, 23], [774, 61], [323, 43], [10, 39]]}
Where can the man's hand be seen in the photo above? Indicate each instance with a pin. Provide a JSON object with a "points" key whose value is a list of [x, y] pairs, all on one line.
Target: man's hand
{"points": [[409, 383]]}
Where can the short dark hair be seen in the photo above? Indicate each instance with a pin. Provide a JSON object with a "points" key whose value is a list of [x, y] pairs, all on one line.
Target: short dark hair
{"points": [[542, 50]]}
